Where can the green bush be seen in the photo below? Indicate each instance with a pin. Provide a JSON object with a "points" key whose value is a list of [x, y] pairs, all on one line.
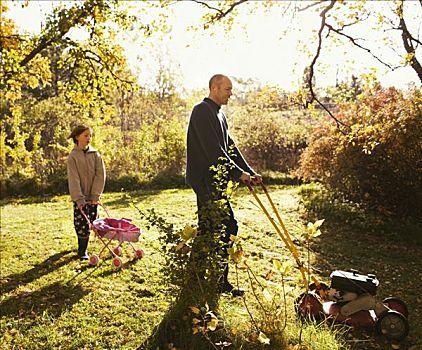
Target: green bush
{"points": [[38, 163], [148, 150], [155, 149], [271, 140], [377, 162]]}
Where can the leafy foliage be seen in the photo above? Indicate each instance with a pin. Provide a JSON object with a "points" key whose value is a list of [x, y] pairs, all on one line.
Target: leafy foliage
{"points": [[378, 163], [39, 71], [271, 132], [55, 81]]}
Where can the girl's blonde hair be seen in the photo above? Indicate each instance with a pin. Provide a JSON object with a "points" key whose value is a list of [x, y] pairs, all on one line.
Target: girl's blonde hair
{"points": [[77, 130]]}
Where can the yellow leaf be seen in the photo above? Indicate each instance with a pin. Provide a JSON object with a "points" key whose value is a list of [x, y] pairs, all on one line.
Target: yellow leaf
{"points": [[32, 82], [267, 295], [318, 223], [277, 264], [188, 233], [286, 268], [16, 111], [269, 275], [311, 229], [318, 233], [212, 324], [233, 238], [299, 347], [195, 310], [263, 339], [180, 246], [237, 256]]}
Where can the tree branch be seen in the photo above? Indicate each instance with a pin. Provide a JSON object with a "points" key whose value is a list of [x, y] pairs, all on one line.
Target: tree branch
{"points": [[230, 9], [357, 20], [312, 66], [311, 5], [97, 58], [220, 13], [203, 3], [411, 37], [354, 42], [12, 36], [64, 24], [407, 41]]}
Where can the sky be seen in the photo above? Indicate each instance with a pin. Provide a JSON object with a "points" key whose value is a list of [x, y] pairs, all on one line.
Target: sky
{"points": [[265, 47]]}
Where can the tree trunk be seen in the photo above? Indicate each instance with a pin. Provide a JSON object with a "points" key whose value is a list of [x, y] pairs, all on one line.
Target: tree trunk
{"points": [[408, 44]]}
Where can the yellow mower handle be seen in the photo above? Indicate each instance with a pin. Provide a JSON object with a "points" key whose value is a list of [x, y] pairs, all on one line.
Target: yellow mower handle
{"points": [[285, 236]]}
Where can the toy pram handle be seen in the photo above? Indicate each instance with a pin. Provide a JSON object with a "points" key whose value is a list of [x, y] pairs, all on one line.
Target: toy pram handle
{"points": [[86, 217]]}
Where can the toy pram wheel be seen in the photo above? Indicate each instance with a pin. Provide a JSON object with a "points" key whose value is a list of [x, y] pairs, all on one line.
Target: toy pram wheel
{"points": [[393, 326], [93, 259], [117, 263], [139, 253], [118, 251], [396, 304], [308, 305]]}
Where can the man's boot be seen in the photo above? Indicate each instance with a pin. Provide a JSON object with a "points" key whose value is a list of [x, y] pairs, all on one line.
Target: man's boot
{"points": [[226, 287], [82, 246]]}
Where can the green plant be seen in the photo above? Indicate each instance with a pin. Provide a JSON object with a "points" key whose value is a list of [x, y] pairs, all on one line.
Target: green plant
{"points": [[378, 162], [271, 140]]}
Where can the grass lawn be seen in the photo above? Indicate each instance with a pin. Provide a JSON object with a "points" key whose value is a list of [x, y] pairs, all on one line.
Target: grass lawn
{"points": [[50, 300]]}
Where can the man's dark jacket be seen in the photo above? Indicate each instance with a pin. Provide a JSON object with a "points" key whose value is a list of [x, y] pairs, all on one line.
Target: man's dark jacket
{"points": [[208, 140]]}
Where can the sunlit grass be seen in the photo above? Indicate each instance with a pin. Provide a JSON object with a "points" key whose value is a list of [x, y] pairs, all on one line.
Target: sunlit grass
{"points": [[50, 300]]}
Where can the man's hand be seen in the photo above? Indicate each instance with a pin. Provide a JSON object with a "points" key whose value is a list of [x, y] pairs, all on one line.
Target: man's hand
{"points": [[256, 179], [245, 178]]}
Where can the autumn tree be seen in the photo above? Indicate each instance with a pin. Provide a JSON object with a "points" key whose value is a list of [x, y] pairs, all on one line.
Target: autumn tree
{"points": [[79, 69], [338, 21]]}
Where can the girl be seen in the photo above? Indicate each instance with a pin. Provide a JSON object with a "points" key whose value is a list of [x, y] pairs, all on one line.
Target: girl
{"points": [[86, 177]]}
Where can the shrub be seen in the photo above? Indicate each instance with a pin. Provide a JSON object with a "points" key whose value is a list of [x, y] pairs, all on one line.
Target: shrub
{"points": [[378, 161], [150, 150], [271, 140], [153, 150]]}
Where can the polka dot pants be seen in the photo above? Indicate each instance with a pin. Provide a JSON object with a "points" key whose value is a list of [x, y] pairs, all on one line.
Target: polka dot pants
{"points": [[81, 225]]}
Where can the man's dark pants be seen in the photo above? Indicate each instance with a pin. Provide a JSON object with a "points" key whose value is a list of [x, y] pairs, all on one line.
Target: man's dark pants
{"points": [[206, 195]]}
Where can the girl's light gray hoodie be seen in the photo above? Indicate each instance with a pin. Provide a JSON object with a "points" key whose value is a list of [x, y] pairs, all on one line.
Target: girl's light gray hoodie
{"points": [[86, 175]]}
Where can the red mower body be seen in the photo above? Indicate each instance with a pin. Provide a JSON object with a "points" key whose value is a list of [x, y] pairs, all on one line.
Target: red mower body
{"points": [[356, 306], [360, 319]]}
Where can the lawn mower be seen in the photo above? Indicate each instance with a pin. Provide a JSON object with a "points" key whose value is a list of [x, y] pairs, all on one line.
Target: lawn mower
{"points": [[351, 296]]}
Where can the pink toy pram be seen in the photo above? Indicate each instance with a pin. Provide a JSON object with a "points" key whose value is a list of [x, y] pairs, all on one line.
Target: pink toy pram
{"points": [[108, 230]]}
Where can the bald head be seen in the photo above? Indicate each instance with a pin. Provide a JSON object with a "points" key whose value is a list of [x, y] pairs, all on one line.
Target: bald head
{"points": [[220, 89], [216, 80]]}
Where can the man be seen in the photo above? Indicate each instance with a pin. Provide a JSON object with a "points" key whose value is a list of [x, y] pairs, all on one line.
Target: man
{"points": [[209, 144]]}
